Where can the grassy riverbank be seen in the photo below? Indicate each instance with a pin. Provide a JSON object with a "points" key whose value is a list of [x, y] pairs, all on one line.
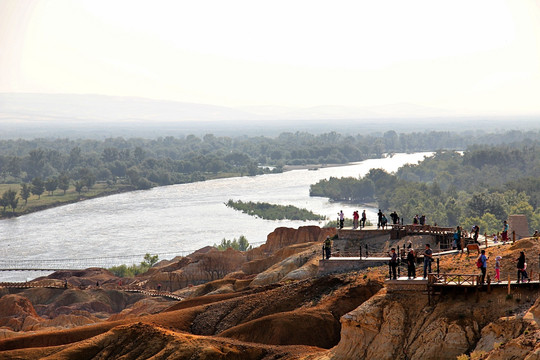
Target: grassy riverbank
{"points": [[46, 201], [58, 198]]}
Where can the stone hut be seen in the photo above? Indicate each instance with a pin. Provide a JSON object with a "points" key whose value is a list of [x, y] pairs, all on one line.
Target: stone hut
{"points": [[519, 224]]}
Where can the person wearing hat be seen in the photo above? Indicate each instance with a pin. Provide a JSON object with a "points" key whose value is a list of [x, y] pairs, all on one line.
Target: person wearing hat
{"points": [[327, 247]]}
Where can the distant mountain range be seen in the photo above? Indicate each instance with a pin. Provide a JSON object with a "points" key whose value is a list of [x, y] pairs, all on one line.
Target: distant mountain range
{"points": [[100, 116], [71, 107]]}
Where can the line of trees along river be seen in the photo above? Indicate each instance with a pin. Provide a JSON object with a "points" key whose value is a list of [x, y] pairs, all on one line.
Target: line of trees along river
{"points": [[163, 161], [71, 168]]}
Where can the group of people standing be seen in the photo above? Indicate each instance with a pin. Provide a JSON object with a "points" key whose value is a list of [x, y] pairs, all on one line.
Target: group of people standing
{"points": [[459, 236], [358, 222], [481, 263], [411, 261], [419, 220], [382, 220]]}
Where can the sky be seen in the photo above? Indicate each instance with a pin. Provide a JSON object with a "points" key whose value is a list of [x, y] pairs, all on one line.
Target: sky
{"points": [[463, 57]]}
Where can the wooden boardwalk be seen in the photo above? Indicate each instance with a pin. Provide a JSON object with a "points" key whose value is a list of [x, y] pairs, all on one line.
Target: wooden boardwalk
{"points": [[57, 285], [448, 283]]}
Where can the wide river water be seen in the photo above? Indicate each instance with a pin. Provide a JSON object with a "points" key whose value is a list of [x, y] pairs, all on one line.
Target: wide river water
{"points": [[169, 220]]}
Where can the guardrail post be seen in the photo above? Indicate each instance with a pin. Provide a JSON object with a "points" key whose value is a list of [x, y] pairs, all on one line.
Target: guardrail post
{"points": [[367, 254], [508, 284], [399, 265], [438, 266], [513, 236], [485, 238]]}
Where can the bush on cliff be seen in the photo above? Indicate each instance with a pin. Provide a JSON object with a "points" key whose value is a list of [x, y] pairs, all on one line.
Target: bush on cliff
{"points": [[133, 270]]}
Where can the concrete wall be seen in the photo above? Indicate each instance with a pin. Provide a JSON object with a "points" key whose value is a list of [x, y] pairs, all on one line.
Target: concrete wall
{"points": [[341, 266], [378, 241]]}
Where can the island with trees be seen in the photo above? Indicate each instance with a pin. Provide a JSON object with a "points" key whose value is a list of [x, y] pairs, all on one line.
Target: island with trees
{"points": [[273, 212]]}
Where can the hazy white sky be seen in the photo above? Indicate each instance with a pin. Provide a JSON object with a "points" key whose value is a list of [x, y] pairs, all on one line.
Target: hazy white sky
{"points": [[479, 57]]}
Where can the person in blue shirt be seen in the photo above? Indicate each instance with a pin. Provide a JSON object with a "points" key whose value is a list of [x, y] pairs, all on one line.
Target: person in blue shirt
{"points": [[482, 260]]}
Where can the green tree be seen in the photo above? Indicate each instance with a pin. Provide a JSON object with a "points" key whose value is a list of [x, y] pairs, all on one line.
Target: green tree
{"points": [[38, 187], [522, 208], [243, 243], [133, 270], [50, 185], [150, 260], [79, 185], [63, 183], [488, 223], [36, 162], [88, 177], [75, 157], [25, 192], [139, 154], [534, 221], [11, 199], [133, 174], [4, 201]]}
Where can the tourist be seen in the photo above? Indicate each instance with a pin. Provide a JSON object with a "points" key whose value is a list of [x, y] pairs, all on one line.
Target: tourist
{"points": [[475, 231], [411, 264], [379, 218], [341, 219], [428, 258], [409, 244], [504, 233], [422, 220], [384, 221], [392, 264], [455, 242], [364, 217], [327, 247], [536, 234], [524, 273], [415, 220], [495, 238], [521, 267], [482, 264], [498, 269], [395, 218], [158, 287], [355, 219]]}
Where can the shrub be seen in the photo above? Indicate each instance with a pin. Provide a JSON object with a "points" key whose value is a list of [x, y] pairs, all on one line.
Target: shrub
{"points": [[134, 270]]}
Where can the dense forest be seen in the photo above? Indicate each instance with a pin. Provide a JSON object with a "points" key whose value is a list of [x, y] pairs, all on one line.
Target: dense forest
{"points": [[170, 160], [482, 186], [29, 168]]}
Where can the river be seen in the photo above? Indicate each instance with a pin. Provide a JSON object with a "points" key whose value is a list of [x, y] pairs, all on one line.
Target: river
{"points": [[170, 220]]}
